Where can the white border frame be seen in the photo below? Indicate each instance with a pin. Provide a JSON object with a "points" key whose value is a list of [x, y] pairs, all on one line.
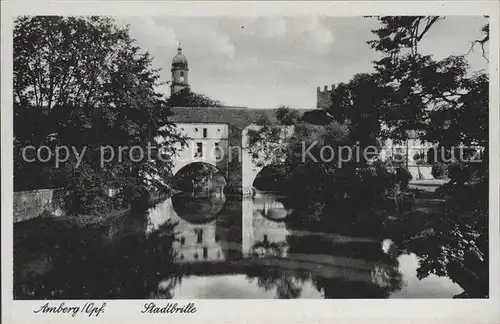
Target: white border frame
{"points": [[258, 311]]}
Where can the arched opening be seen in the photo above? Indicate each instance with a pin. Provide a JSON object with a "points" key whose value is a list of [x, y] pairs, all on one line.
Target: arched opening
{"points": [[199, 193], [270, 179], [269, 199], [199, 178]]}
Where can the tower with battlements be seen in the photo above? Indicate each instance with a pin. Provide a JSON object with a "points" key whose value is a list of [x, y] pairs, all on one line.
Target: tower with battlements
{"points": [[323, 98]]}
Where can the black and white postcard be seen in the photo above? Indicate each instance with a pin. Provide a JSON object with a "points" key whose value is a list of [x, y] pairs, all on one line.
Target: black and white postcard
{"points": [[195, 162]]}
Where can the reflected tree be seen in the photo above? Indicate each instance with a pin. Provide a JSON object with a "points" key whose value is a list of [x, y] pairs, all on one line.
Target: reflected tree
{"points": [[288, 284], [269, 249], [448, 103], [385, 275], [131, 266]]}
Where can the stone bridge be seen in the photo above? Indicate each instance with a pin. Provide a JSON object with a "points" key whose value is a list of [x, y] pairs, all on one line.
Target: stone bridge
{"points": [[218, 136]]}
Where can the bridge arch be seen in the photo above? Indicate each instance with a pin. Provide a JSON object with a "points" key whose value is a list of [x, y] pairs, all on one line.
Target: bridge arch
{"points": [[193, 174], [270, 178], [184, 165], [252, 166], [180, 165]]}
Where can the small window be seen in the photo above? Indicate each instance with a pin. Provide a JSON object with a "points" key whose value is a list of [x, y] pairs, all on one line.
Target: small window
{"points": [[205, 253], [182, 73], [265, 238], [199, 150], [217, 151], [205, 133], [218, 129], [196, 256], [199, 235], [183, 240], [217, 238], [196, 129]]}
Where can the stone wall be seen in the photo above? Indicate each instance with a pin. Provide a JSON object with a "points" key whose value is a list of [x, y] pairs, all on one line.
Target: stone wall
{"points": [[33, 203]]}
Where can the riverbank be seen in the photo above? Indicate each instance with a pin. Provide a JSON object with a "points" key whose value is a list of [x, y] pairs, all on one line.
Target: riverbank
{"points": [[428, 185], [38, 241], [85, 220], [420, 231]]}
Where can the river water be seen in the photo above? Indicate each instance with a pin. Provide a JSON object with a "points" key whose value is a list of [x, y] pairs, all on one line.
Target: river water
{"points": [[222, 247]]}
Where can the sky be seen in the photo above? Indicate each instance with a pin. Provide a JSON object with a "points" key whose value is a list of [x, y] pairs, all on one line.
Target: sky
{"points": [[265, 62]]}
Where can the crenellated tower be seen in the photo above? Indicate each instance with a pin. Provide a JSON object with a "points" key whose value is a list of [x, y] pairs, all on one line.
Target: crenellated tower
{"points": [[323, 98]]}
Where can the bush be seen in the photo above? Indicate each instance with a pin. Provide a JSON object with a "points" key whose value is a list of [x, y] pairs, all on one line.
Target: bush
{"points": [[438, 170], [406, 200], [89, 202], [403, 177]]}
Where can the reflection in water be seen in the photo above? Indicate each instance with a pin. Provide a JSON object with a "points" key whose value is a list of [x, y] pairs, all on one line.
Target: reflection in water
{"points": [[196, 209], [112, 261], [270, 206], [223, 247]]}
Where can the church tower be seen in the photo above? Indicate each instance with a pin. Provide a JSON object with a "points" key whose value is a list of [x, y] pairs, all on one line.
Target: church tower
{"points": [[179, 72]]}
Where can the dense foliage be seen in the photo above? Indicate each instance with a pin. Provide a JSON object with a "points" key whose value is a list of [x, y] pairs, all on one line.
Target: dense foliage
{"points": [[449, 105], [82, 83], [188, 98], [441, 102], [315, 167], [113, 259]]}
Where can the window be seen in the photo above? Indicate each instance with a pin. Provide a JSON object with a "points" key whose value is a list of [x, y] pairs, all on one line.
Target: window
{"points": [[205, 133], [265, 238], [205, 253], [199, 150], [182, 73], [196, 256], [217, 151], [183, 240], [217, 238], [196, 129], [199, 235]]}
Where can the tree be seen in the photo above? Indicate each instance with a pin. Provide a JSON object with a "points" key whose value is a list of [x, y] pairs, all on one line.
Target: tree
{"points": [[422, 89], [362, 104], [82, 83], [322, 175], [450, 108], [187, 98]]}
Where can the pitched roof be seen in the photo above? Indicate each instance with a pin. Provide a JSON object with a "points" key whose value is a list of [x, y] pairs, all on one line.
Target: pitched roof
{"points": [[239, 117]]}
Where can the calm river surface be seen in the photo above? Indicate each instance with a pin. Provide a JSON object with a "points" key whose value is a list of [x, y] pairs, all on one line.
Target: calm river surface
{"points": [[223, 247]]}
